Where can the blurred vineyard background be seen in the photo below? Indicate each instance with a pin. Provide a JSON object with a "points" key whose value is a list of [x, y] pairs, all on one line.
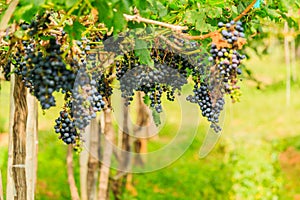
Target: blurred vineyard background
{"points": [[257, 157], [258, 154]]}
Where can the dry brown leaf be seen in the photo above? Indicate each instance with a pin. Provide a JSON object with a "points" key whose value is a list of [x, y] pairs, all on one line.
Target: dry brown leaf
{"points": [[218, 40]]}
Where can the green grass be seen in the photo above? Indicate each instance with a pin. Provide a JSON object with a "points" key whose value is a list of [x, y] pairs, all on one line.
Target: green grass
{"points": [[243, 165], [52, 170], [4, 107]]}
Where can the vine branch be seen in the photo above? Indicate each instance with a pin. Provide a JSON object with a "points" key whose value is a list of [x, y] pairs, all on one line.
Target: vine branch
{"points": [[137, 18], [199, 37], [168, 42], [245, 11]]}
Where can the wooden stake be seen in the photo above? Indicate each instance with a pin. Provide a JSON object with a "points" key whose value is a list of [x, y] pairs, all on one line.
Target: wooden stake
{"points": [[22, 149], [31, 145], [71, 179], [83, 161], [119, 181], [107, 153], [93, 160], [140, 144], [10, 186], [142, 125], [19, 139]]}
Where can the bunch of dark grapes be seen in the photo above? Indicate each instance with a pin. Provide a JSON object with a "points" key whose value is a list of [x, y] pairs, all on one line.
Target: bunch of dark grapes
{"points": [[82, 105], [103, 84], [155, 98], [168, 75], [6, 70], [210, 109], [220, 73], [112, 44], [44, 72], [232, 31], [37, 24], [226, 59], [86, 101], [65, 126]]}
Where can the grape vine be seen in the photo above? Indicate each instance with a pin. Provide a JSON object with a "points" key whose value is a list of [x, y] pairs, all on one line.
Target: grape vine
{"points": [[79, 56], [47, 65]]}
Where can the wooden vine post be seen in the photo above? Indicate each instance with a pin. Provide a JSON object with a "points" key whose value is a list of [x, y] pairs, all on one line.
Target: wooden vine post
{"points": [[89, 160], [70, 171], [10, 188], [107, 153], [118, 182], [143, 123], [22, 153], [93, 159], [31, 145], [18, 170], [140, 144], [83, 160]]}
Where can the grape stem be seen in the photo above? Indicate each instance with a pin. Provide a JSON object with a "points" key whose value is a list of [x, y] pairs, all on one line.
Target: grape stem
{"points": [[199, 37], [174, 46], [245, 11], [137, 18]]}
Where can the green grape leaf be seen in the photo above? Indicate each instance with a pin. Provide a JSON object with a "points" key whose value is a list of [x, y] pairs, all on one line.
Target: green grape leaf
{"points": [[191, 16], [141, 50], [105, 12], [241, 7], [119, 8], [188, 71], [19, 34], [34, 2], [4, 48], [111, 13], [156, 117], [214, 12], [70, 3], [273, 14], [27, 9], [146, 99], [234, 10], [118, 21], [202, 26], [25, 12], [142, 5], [162, 11], [216, 3], [74, 31], [68, 67], [173, 6]]}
